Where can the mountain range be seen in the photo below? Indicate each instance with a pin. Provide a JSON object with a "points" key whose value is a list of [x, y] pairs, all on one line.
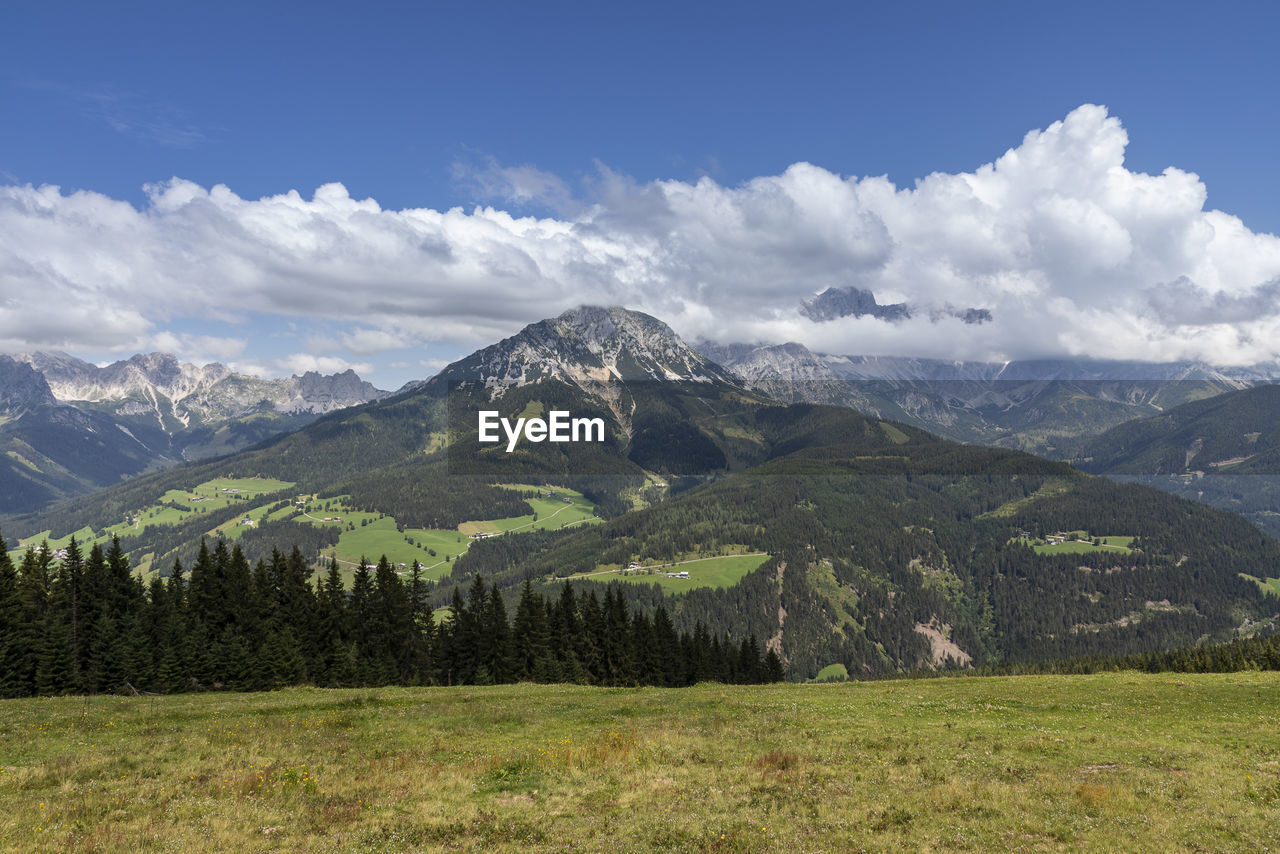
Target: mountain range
{"points": [[70, 426], [884, 548], [1033, 405]]}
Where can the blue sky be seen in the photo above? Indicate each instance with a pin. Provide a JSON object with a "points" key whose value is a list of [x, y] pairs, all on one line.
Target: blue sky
{"points": [[569, 113]]}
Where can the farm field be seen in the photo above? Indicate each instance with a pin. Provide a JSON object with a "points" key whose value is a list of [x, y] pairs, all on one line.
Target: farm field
{"points": [[1271, 585], [1120, 761], [363, 534], [719, 571], [1082, 546], [372, 535], [246, 492], [549, 513]]}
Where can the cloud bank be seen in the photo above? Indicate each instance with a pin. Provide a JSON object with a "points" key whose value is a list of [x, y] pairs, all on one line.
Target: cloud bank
{"points": [[1072, 253]]}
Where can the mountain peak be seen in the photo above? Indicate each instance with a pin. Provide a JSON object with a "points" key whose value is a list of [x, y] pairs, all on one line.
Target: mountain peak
{"points": [[851, 302], [590, 347], [21, 387]]}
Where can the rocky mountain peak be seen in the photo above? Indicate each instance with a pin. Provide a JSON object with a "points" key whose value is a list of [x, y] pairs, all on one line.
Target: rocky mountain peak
{"points": [[851, 302], [591, 347], [175, 392], [21, 387]]}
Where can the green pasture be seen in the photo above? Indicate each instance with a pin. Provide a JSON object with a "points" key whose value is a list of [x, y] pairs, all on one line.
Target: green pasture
{"points": [[1106, 762], [722, 571]]}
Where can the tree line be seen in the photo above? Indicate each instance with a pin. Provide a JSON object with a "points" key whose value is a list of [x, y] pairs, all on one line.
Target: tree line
{"points": [[87, 624]]}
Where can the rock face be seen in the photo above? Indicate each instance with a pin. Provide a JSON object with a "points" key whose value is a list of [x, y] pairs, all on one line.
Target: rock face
{"points": [[851, 302], [788, 372], [180, 394], [857, 302], [67, 426], [590, 347], [21, 387]]}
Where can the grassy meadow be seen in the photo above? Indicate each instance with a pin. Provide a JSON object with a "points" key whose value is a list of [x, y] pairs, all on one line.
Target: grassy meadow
{"points": [[1105, 762], [717, 571], [362, 534]]}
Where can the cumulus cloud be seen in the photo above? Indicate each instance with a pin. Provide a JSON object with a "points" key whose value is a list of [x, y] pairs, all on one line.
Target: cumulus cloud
{"points": [[1070, 251]]}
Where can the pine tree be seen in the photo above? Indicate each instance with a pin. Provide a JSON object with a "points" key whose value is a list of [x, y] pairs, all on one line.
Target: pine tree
{"points": [[530, 639], [332, 632], [666, 646], [773, 671], [360, 607], [500, 659], [11, 646], [421, 628], [390, 625], [748, 670]]}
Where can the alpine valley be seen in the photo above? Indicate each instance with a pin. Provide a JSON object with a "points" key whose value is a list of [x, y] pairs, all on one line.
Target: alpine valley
{"points": [[737, 490]]}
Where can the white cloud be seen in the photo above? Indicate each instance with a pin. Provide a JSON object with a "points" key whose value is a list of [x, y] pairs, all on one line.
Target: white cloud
{"points": [[1071, 252], [365, 341], [198, 349], [518, 185], [300, 363]]}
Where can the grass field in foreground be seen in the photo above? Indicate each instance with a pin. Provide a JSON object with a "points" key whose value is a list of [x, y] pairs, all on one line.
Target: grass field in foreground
{"points": [[1105, 762]]}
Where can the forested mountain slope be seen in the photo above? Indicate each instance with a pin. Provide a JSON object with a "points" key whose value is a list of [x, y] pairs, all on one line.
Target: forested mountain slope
{"points": [[883, 547]]}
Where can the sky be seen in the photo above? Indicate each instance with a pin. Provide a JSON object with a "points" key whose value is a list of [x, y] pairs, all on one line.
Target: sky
{"points": [[388, 186]]}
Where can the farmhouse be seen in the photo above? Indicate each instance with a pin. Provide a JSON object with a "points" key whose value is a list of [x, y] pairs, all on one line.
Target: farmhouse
{"points": [[677, 575]]}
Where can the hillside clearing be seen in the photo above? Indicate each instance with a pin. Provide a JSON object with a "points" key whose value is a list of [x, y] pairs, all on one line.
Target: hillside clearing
{"points": [[717, 571]]}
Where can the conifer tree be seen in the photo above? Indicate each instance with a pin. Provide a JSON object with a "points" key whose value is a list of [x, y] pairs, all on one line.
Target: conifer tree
{"points": [[499, 658], [530, 639], [332, 632], [11, 647]]}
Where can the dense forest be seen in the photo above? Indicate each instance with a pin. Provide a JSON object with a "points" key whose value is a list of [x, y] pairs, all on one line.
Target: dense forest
{"points": [[861, 563], [1255, 653], [86, 624]]}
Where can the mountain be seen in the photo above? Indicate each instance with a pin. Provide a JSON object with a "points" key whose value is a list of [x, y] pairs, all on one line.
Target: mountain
{"points": [[881, 546], [21, 388], [669, 405], [1034, 405], [851, 302], [1236, 433], [1224, 451], [74, 426], [834, 303], [590, 347], [161, 387]]}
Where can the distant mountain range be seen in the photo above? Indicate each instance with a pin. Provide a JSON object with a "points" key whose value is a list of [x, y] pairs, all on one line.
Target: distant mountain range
{"points": [[884, 547], [69, 426], [1223, 451], [1034, 405]]}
